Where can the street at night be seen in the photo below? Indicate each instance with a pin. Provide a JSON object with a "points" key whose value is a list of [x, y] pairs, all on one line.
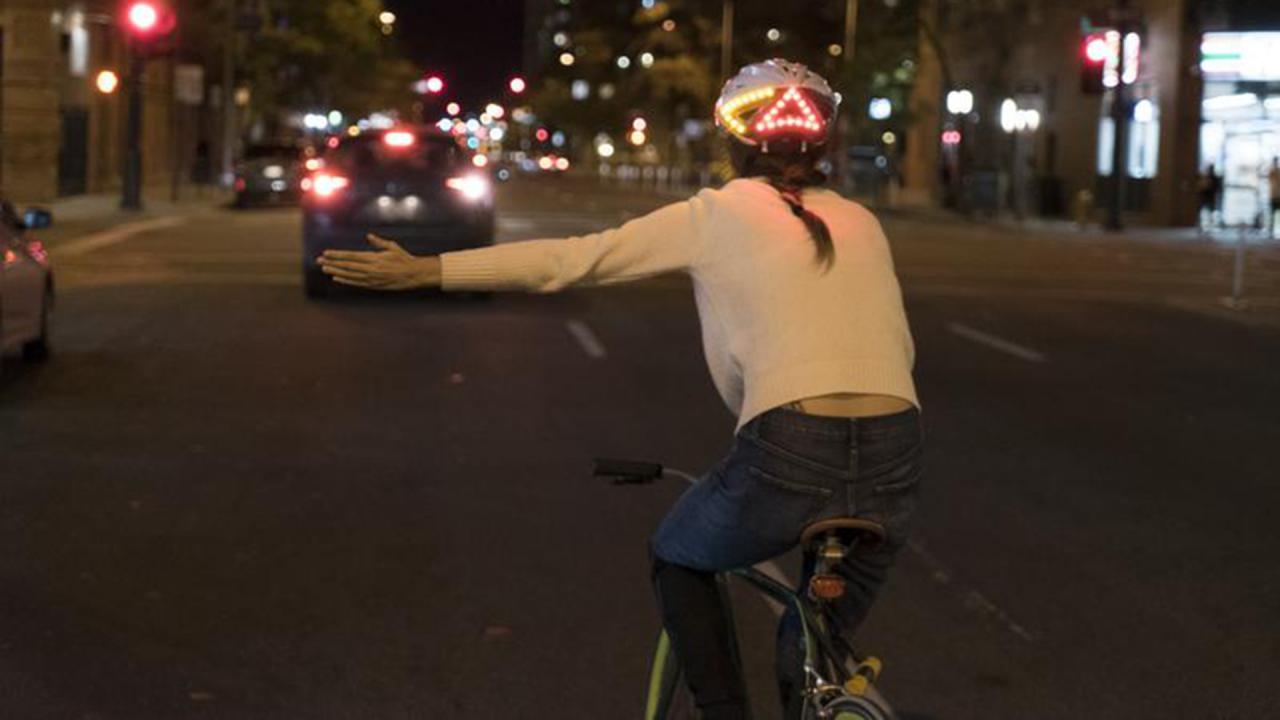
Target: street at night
{"points": [[653, 359], [225, 501]]}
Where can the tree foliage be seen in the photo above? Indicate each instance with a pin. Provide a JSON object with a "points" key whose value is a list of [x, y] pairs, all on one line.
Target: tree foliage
{"points": [[300, 55], [684, 38]]}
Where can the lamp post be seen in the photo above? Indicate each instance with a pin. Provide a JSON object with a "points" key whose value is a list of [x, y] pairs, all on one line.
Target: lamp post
{"points": [[1015, 121]]}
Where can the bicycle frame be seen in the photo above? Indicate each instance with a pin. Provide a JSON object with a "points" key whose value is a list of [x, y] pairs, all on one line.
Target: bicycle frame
{"points": [[846, 697], [664, 678]]}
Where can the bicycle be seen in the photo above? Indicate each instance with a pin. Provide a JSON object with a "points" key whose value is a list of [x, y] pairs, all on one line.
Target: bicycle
{"points": [[838, 684]]}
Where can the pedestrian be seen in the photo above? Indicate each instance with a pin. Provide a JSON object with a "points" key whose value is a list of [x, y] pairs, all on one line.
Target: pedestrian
{"points": [[1273, 195], [1210, 195], [807, 342]]}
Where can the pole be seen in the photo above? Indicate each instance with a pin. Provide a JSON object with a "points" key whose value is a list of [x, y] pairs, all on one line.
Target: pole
{"points": [[842, 124], [1237, 278], [1120, 134], [131, 195], [726, 41], [228, 91], [850, 32]]}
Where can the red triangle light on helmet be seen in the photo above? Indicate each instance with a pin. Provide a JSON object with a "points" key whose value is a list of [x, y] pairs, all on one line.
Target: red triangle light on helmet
{"points": [[792, 114]]}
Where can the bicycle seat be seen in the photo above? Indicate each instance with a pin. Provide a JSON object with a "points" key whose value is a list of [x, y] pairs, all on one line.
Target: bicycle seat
{"points": [[868, 531]]}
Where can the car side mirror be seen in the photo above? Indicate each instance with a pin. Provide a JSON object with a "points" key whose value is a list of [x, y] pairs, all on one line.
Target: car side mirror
{"points": [[37, 218]]}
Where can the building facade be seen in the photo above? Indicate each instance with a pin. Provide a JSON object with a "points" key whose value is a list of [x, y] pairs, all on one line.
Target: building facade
{"points": [[1034, 142], [59, 134]]}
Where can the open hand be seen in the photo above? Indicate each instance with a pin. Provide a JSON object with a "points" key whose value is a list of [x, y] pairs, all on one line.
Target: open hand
{"points": [[388, 267]]}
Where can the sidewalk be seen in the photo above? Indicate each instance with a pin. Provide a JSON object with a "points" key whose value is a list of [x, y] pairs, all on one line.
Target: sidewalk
{"points": [[1059, 229], [84, 214]]}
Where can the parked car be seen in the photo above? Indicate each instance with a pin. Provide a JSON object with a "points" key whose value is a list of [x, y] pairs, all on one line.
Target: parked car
{"points": [[26, 284], [268, 174], [413, 185]]}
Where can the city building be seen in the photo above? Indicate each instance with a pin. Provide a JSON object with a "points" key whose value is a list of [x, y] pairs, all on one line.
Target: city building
{"points": [[62, 103], [1005, 123]]}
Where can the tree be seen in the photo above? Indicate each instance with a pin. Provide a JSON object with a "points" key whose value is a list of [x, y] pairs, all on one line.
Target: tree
{"points": [[300, 55]]}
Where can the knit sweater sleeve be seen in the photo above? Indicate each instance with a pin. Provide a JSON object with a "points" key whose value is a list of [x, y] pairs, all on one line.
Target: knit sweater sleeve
{"points": [[666, 240]]}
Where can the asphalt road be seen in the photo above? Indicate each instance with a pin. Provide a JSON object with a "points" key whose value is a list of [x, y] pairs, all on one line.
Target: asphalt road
{"points": [[220, 500]]}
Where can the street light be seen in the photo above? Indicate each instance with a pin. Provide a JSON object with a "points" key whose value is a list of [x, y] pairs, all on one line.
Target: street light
{"points": [[107, 82], [386, 17], [517, 85], [960, 102]]}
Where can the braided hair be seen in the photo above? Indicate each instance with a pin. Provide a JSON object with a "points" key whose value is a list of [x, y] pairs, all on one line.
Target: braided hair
{"points": [[790, 173]]}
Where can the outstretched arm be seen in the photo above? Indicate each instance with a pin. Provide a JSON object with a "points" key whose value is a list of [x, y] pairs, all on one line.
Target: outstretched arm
{"points": [[666, 240]]}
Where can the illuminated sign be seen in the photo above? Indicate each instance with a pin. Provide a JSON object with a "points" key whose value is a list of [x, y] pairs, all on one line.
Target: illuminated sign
{"points": [[1240, 56]]}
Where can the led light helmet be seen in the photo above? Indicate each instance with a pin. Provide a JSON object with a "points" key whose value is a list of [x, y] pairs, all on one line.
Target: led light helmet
{"points": [[777, 103]]}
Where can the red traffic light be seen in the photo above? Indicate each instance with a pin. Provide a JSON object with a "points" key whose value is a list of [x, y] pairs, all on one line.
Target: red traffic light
{"points": [[148, 19], [542, 135], [143, 16], [435, 85], [1096, 49]]}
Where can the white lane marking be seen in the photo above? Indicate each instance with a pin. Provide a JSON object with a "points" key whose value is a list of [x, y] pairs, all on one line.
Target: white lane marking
{"points": [[996, 343], [114, 236], [515, 225], [591, 344], [971, 598]]}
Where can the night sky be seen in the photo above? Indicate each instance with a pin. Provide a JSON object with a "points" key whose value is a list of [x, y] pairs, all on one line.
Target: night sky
{"points": [[476, 45]]}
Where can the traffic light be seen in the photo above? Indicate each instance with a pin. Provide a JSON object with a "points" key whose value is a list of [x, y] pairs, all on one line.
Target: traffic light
{"points": [[517, 85], [1094, 51], [148, 24]]}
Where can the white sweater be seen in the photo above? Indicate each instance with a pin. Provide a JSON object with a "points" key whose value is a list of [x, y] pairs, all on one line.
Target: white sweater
{"points": [[776, 328]]}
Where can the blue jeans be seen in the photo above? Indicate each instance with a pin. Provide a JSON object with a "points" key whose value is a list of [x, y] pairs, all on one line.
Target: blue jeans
{"points": [[786, 469]]}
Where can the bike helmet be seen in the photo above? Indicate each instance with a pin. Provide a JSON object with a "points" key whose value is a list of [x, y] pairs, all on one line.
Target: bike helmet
{"points": [[778, 102]]}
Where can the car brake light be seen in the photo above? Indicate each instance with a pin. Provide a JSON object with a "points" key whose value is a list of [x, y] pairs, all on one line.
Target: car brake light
{"points": [[398, 139], [324, 185], [471, 187]]}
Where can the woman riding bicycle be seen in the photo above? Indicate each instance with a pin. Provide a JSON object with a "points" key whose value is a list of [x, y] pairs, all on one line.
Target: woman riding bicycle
{"points": [[807, 341]]}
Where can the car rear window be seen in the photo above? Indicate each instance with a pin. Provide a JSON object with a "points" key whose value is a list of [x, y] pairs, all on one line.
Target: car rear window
{"points": [[371, 153]]}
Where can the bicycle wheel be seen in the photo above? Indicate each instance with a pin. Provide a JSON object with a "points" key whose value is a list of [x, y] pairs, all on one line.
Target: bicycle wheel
{"points": [[669, 696]]}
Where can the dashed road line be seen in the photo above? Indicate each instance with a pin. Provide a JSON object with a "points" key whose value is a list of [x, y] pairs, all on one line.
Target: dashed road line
{"points": [[591, 344], [114, 236], [971, 598], [996, 343]]}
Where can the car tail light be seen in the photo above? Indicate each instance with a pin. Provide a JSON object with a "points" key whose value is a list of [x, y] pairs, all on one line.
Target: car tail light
{"points": [[398, 139], [325, 185], [471, 187]]}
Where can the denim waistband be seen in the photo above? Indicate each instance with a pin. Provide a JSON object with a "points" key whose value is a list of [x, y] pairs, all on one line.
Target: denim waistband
{"points": [[786, 420]]}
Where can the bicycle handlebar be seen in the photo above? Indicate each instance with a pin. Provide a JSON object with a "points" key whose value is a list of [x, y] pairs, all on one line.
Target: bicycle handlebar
{"points": [[627, 472]]}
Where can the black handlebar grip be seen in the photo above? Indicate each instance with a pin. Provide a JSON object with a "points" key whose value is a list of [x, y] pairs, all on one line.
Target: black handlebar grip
{"points": [[634, 471]]}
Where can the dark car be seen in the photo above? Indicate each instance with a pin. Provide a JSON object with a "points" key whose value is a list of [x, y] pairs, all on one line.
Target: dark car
{"points": [[268, 174], [415, 186]]}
